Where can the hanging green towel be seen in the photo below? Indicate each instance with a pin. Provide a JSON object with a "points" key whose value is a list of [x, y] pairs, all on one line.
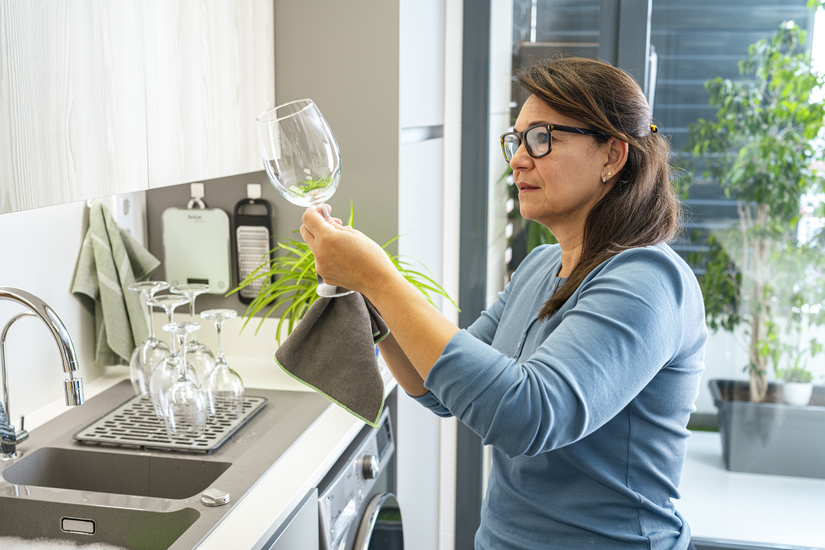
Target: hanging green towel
{"points": [[110, 260]]}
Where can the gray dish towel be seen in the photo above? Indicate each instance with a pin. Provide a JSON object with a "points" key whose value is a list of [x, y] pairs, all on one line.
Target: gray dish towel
{"points": [[332, 350], [110, 260]]}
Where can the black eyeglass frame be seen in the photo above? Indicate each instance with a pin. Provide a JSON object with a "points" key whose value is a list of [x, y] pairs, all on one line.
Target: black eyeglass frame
{"points": [[550, 128]]}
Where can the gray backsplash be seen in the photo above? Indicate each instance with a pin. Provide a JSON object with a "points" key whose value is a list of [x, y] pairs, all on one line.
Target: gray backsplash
{"points": [[223, 193]]}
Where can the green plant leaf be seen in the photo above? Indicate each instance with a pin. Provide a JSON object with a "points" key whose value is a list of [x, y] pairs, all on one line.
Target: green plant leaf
{"points": [[293, 282]]}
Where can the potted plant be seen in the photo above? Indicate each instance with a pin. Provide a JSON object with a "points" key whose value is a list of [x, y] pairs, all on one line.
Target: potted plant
{"points": [[759, 276], [290, 283], [798, 386], [797, 380]]}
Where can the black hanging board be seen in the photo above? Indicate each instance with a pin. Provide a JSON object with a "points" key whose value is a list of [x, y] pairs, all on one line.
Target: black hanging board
{"points": [[253, 242]]}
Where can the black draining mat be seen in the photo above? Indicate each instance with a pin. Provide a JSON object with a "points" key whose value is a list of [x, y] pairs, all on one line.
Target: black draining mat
{"points": [[134, 424]]}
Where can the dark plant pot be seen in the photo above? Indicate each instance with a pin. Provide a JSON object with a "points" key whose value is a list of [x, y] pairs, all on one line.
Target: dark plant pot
{"points": [[771, 437]]}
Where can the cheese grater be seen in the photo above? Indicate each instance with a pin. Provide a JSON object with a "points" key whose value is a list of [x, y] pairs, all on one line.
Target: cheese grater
{"points": [[253, 229]]}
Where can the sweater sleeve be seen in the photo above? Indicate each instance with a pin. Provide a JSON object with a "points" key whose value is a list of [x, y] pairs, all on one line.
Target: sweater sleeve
{"points": [[624, 325], [484, 330]]}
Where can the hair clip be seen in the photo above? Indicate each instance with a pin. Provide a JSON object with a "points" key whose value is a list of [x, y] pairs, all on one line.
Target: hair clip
{"points": [[653, 128]]}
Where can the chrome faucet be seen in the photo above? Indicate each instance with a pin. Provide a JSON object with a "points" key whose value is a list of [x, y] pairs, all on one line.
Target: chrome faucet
{"points": [[73, 387]]}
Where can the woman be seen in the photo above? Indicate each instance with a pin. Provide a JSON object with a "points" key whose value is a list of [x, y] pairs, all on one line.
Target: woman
{"points": [[583, 373]]}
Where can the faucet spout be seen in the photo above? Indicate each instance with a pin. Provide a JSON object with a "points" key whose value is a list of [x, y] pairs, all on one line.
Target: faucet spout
{"points": [[51, 320], [73, 387]]}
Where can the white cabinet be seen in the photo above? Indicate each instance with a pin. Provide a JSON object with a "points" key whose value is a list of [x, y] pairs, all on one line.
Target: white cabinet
{"points": [[301, 529], [99, 97], [72, 103], [210, 70], [421, 63]]}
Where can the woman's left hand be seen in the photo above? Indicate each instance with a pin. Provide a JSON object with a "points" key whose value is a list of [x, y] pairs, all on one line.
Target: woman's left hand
{"points": [[344, 256]]}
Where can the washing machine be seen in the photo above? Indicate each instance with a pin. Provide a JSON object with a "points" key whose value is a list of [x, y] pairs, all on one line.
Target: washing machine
{"points": [[357, 506]]}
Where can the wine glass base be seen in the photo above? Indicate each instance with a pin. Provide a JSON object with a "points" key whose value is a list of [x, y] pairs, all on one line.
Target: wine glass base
{"points": [[329, 291]]}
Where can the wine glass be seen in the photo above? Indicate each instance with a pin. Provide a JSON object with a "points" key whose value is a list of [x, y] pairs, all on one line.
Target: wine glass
{"points": [[301, 158], [152, 351], [169, 370], [184, 404], [198, 355], [164, 375], [223, 386]]}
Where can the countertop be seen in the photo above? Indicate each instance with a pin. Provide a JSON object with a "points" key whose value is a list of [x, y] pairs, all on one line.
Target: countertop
{"points": [[721, 505], [278, 492]]}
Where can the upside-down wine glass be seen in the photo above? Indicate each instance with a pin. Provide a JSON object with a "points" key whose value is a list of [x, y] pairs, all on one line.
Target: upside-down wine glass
{"points": [[198, 355], [165, 375], [184, 404], [146, 356], [223, 386], [301, 158]]}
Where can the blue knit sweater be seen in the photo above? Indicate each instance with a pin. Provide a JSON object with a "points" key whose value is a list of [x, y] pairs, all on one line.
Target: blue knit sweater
{"points": [[585, 411]]}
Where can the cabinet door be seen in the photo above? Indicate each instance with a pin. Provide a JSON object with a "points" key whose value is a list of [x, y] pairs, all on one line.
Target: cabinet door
{"points": [[210, 71], [301, 531], [421, 63], [72, 117]]}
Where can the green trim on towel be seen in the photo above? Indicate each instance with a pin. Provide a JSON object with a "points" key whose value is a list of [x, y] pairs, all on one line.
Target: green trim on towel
{"points": [[373, 423]]}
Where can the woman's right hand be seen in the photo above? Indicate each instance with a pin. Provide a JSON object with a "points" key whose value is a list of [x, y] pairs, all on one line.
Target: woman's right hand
{"points": [[344, 256]]}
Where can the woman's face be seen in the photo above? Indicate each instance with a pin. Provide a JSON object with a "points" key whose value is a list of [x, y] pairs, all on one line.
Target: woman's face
{"points": [[558, 190]]}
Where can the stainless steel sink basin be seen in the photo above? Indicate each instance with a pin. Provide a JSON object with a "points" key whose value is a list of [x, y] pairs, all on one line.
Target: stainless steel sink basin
{"points": [[84, 524], [124, 474], [140, 498]]}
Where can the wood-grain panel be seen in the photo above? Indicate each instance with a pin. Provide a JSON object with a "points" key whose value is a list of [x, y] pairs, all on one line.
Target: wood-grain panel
{"points": [[72, 122], [210, 67]]}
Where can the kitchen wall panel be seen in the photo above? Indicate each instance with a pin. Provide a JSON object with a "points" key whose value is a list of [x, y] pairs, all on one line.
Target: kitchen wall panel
{"points": [[72, 84]]}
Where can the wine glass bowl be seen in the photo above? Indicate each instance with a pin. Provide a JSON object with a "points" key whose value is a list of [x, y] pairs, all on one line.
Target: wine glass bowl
{"points": [[223, 386], [300, 153], [302, 159], [184, 406], [149, 353], [198, 355]]}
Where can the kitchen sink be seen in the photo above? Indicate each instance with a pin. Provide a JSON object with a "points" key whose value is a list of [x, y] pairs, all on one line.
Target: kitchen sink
{"points": [[106, 472], [140, 498], [84, 524]]}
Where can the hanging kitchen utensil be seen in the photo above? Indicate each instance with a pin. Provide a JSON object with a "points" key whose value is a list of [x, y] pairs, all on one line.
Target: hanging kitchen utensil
{"points": [[253, 231], [196, 244]]}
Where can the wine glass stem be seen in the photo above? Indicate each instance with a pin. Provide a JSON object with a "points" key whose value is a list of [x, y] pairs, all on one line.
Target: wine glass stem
{"points": [[173, 340], [151, 320], [192, 315], [182, 346], [219, 326]]}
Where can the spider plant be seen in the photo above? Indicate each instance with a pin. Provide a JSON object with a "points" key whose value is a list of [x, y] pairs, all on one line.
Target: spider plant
{"points": [[291, 280]]}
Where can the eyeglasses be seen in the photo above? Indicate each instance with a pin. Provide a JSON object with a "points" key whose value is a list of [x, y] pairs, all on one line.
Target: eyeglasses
{"points": [[538, 139]]}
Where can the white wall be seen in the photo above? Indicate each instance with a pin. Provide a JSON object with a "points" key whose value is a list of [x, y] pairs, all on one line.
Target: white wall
{"points": [[38, 253]]}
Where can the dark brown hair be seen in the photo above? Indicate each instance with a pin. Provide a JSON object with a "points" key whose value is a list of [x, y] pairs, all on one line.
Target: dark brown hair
{"points": [[642, 209]]}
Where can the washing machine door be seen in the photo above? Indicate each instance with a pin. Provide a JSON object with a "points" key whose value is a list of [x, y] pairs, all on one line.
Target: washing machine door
{"points": [[380, 527]]}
